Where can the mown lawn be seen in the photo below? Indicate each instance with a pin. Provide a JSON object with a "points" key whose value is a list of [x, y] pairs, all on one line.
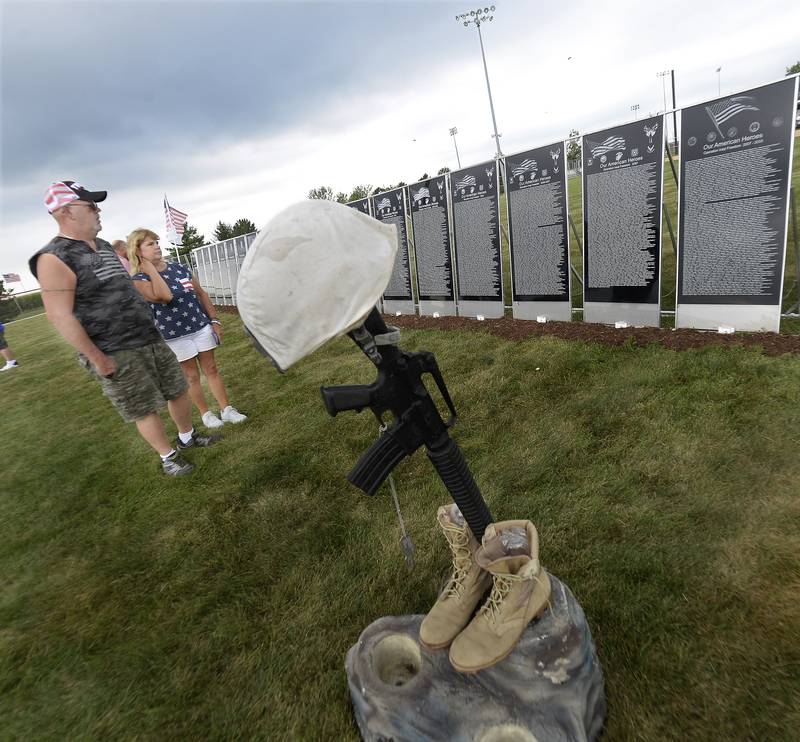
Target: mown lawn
{"points": [[664, 486]]}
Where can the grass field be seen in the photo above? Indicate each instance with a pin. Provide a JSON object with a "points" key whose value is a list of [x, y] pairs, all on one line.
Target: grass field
{"points": [[664, 486]]}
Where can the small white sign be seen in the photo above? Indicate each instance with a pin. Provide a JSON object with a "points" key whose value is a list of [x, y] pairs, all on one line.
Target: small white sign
{"points": [[480, 318], [541, 319], [436, 315], [726, 330], [397, 313], [621, 325]]}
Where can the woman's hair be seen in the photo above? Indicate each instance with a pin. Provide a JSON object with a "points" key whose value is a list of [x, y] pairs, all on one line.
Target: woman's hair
{"points": [[135, 240]]}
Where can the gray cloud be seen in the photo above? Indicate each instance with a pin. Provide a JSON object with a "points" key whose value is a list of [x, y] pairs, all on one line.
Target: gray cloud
{"points": [[83, 80]]}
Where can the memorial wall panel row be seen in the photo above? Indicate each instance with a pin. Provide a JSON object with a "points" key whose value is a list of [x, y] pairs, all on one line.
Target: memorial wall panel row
{"points": [[735, 167]]}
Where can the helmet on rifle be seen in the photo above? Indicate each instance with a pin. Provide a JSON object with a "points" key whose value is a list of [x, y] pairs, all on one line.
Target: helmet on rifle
{"points": [[315, 271]]}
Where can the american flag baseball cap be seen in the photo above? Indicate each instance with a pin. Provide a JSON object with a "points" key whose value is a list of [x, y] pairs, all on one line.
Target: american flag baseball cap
{"points": [[65, 191]]}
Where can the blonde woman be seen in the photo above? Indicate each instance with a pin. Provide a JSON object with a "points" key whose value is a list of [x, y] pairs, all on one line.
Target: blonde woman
{"points": [[186, 318]]}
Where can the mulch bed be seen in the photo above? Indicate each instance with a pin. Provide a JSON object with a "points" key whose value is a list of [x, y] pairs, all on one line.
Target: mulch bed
{"points": [[769, 343]]}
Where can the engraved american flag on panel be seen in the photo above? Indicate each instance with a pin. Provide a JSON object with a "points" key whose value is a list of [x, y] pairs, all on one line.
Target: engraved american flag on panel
{"points": [[526, 166], [609, 144], [467, 180], [727, 108]]}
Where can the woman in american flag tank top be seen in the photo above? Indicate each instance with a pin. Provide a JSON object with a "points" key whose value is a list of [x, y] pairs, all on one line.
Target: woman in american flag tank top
{"points": [[187, 319]]}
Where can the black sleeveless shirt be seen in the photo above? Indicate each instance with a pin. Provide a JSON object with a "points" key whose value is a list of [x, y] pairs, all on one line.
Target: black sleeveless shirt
{"points": [[113, 313]]}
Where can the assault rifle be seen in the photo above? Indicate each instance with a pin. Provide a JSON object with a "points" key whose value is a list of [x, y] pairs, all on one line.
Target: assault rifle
{"points": [[399, 389]]}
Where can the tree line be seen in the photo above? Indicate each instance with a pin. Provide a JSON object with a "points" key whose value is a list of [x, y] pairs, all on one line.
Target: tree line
{"points": [[358, 192], [363, 191], [193, 239]]}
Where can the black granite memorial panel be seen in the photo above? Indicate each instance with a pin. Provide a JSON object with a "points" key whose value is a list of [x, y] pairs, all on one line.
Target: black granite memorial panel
{"points": [[622, 185], [429, 218], [476, 232], [734, 182], [536, 188], [389, 208]]}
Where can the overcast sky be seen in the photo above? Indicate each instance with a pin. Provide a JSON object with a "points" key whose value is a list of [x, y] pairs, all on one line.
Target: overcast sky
{"points": [[237, 109]]}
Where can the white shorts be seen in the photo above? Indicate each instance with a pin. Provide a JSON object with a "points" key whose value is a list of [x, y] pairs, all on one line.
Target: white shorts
{"points": [[189, 346]]}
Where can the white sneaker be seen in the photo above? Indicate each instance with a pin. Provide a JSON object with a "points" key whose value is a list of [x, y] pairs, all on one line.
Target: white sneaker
{"points": [[210, 420], [232, 415], [11, 364]]}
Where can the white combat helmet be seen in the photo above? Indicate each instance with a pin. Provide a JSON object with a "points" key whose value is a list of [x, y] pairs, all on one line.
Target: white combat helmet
{"points": [[315, 271]]}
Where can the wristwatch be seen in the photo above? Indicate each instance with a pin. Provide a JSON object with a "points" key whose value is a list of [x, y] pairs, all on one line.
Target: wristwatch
{"points": [[215, 321]]}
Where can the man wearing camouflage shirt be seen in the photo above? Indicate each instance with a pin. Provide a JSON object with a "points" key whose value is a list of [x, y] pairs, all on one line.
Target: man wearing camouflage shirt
{"points": [[91, 301]]}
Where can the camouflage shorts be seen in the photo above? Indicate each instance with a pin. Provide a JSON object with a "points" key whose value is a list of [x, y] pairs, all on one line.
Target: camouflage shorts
{"points": [[145, 379]]}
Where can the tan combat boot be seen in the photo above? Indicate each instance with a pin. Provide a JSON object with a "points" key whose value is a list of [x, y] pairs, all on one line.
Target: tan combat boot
{"points": [[520, 591], [467, 585]]}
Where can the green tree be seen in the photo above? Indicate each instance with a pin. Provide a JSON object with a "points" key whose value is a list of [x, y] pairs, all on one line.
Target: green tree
{"points": [[794, 68], [341, 197], [222, 232], [323, 192], [242, 226], [359, 191], [424, 176], [574, 147], [443, 170], [191, 239]]}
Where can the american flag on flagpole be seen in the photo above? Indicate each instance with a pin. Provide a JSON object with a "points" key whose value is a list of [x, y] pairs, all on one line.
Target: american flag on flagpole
{"points": [[12, 278], [175, 221]]}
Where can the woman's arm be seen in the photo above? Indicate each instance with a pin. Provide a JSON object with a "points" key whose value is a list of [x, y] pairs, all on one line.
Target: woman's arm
{"points": [[155, 290]]}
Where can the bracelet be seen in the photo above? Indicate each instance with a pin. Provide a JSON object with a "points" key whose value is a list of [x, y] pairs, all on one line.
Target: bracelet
{"points": [[215, 321]]}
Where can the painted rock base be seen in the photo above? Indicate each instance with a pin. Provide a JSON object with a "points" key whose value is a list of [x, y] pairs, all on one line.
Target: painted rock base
{"points": [[550, 688]]}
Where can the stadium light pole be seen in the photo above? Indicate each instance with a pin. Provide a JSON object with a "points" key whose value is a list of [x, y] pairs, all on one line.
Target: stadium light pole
{"points": [[479, 16], [662, 75], [635, 109], [453, 133], [719, 83]]}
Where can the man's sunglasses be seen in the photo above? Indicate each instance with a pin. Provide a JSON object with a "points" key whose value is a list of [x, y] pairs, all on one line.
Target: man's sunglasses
{"points": [[93, 206]]}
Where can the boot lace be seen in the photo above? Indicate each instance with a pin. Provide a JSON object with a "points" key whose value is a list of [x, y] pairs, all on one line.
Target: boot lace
{"points": [[458, 538], [501, 586]]}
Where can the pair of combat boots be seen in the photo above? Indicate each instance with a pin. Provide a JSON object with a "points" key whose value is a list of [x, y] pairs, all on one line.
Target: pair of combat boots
{"points": [[507, 561]]}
